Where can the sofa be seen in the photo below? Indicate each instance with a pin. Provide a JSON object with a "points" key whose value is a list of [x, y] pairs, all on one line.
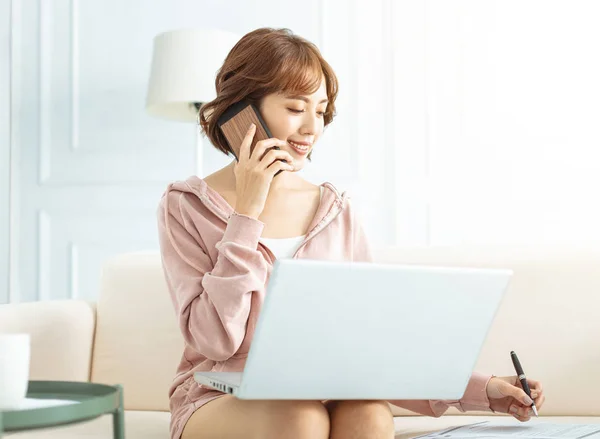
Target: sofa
{"points": [[550, 316]]}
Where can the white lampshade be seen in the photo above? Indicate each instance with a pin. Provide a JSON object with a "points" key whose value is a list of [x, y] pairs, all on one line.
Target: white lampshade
{"points": [[184, 68]]}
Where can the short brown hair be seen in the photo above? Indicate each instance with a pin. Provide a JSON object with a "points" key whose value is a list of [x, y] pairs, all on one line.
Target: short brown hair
{"points": [[262, 62]]}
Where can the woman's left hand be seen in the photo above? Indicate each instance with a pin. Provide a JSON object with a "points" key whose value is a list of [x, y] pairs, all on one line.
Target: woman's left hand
{"points": [[506, 395]]}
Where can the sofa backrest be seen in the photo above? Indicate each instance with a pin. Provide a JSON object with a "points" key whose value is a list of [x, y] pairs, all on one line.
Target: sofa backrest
{"points": [[137, 343], [549, 317], [62, 333]]}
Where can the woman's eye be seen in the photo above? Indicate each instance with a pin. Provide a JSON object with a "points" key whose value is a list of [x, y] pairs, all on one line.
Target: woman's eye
{"points": [[321, 113]]}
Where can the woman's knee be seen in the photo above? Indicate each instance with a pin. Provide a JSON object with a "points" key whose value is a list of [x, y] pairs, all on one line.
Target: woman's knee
{"points": [[361, 418], [295, 420]]}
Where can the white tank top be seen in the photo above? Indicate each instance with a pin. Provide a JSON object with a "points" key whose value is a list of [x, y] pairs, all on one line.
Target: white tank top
{"points": [[284, 248]]}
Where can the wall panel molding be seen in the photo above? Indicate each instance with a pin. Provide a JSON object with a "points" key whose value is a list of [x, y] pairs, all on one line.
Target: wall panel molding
{"points": [[5, 102]]}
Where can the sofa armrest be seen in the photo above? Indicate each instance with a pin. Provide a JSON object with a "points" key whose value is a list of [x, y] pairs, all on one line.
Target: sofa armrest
{"points": [[62, 335]]}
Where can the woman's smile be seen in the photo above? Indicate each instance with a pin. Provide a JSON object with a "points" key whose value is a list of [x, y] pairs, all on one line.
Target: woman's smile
{"points": [[298, 148]]}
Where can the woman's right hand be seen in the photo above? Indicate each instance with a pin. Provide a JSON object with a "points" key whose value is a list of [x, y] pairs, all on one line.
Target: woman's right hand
{"points": [[254, 174]]}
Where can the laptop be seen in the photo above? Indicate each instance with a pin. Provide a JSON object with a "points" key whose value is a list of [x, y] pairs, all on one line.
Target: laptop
{"points": [[359, 330]]}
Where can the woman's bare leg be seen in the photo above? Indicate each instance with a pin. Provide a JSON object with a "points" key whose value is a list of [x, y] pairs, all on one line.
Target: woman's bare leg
{"points": [[360, 419], [228, 417]]}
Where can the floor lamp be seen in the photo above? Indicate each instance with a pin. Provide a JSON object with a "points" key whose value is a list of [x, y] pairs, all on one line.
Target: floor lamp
{"points": [[182, 77]]}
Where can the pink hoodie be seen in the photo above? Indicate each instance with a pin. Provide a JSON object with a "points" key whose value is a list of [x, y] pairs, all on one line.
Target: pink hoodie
{"points": [[217, 272]]}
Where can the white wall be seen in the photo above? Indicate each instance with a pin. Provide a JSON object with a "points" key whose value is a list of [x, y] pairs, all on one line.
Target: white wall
{"points": [[509, 151]]}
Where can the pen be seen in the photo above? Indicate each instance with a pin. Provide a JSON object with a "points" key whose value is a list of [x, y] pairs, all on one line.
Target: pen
{"points": [[522, 378]]}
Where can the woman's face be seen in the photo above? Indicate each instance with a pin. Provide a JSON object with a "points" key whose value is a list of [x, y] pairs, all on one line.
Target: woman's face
{"points": [[296, 119]]}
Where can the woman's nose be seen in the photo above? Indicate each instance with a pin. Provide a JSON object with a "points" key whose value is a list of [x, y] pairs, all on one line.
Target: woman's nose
{"points": [[309, 127]]}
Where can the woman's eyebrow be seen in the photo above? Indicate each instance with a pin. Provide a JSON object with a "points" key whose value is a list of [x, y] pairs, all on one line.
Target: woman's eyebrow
{"points": [[302, 98]]}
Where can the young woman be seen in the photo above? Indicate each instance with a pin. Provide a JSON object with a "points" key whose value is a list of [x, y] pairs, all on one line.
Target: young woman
{"points": [[220, 235]]}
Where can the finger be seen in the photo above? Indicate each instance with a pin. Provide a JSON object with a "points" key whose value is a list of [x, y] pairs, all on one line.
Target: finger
{"points": [[521, 413], [273, 155], [245, 146], [262, 146], [534, 385], [521, 418], [277, 166], [520, 395], [539, 402]]}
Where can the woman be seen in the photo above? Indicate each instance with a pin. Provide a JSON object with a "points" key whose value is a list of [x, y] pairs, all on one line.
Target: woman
{"points": [[220, 235]]}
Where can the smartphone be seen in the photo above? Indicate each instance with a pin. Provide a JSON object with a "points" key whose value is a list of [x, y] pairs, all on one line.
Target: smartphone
{"points": [[234, 124]]}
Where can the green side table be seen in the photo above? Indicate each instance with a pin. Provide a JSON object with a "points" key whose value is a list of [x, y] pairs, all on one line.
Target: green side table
{"points": [[94, 400]]}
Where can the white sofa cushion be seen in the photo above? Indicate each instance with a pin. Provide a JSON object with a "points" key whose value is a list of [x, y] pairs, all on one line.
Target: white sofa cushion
{"points": [[138, 425]]}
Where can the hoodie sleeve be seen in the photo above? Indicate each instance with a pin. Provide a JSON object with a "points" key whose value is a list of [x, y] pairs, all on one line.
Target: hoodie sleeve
{"points": [[212, 302], [475, 397]]}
